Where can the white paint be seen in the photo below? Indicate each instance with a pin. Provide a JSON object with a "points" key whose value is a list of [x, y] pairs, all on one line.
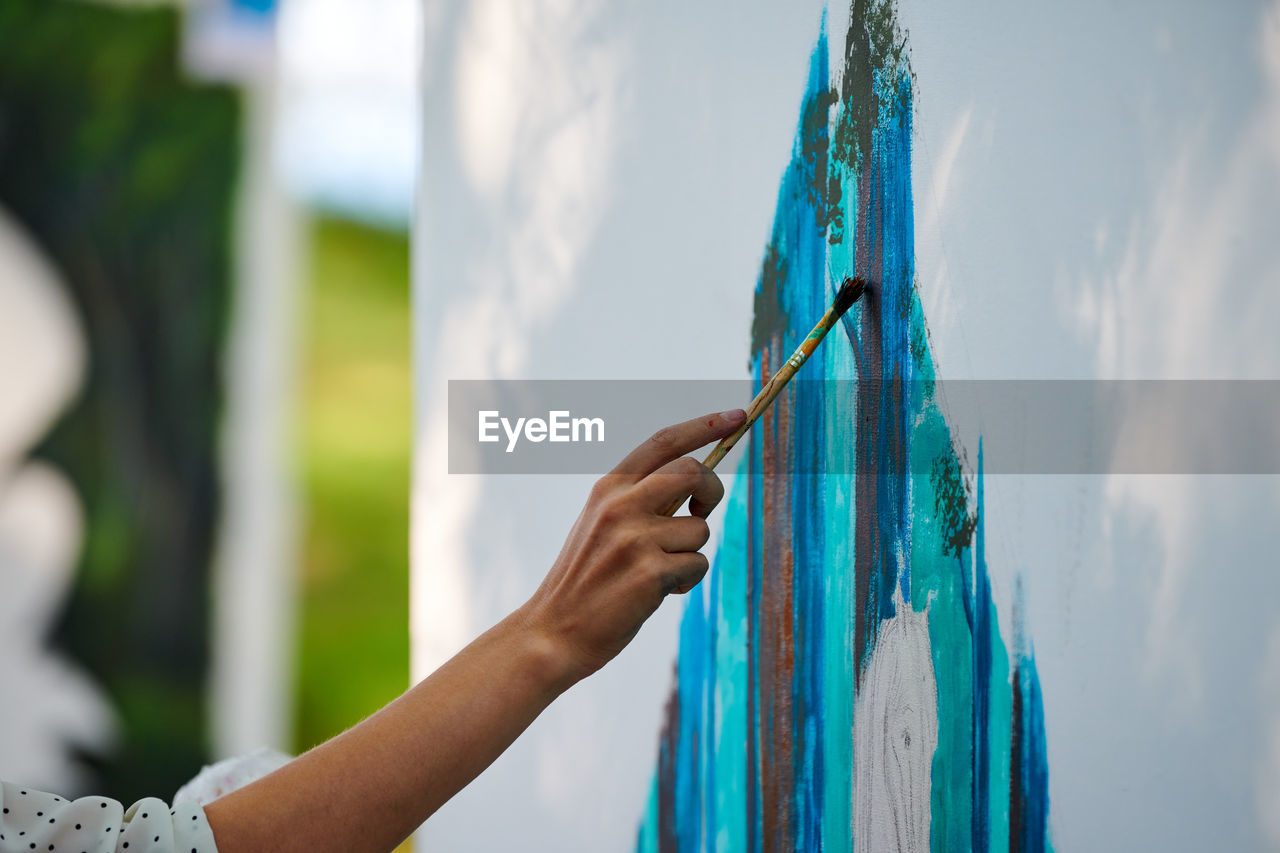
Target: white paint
{"points": [[895, 732]]}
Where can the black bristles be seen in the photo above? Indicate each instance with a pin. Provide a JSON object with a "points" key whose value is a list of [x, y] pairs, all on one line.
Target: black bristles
{"points": [[850, 292]]}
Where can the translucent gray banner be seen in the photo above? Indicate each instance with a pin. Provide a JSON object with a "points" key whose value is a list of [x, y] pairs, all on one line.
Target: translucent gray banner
{"points": [[1026, 426]]}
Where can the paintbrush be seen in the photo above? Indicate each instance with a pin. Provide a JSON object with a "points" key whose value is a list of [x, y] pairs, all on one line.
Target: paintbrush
{"points": [[850, 292]]}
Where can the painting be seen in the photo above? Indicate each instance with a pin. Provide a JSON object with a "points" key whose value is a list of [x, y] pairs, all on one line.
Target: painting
{"points": [[844, 682], [1077, 192]]}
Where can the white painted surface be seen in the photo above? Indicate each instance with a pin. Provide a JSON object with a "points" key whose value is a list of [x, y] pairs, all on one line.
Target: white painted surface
{"points": [[895, 732], [598, 181], [1097, 191], [1097, 187]]}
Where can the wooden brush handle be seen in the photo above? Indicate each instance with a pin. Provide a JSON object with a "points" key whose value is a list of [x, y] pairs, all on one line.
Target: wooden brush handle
{"points": [[767, 395]]}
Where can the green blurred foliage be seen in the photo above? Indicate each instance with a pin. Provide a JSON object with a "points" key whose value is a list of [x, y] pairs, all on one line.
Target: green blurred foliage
{"points": [[355, 459], [124, 171]]}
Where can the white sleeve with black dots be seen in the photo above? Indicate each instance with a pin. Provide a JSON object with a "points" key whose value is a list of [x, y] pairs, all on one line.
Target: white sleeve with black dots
{"points": [[36, 821]]}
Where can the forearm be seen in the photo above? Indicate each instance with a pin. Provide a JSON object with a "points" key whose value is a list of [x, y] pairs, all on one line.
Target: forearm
{"points": [[368, 788]]}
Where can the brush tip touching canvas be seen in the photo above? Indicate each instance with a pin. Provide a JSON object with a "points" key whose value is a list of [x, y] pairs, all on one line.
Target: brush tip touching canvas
{"points": [[850, 292]]}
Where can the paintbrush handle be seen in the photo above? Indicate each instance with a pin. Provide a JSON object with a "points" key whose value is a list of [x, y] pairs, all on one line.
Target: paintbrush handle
{"points": [[767, 395]]}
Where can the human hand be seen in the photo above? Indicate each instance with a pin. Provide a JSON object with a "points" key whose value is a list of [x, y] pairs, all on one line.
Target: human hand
{"points": [[367, 789], [623, 557]]}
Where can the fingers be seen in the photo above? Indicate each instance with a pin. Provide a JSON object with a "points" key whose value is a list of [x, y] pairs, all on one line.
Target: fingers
{"points": [[677, 535], [706, 494], [683, 572], [675, 441], [679, 479]]}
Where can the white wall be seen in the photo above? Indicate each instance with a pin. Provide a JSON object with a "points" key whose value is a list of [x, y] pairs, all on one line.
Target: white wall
{"points": [[598, 182], [1097, 195]]}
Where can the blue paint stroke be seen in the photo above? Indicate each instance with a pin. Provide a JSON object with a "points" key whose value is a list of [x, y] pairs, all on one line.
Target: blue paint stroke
{"points": [[825, 527]]}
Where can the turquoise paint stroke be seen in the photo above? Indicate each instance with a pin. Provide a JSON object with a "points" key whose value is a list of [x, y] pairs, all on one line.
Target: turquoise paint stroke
{"points": [[825, 525]]}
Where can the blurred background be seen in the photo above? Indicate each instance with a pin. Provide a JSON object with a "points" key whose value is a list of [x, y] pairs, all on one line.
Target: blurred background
{"points": [[205, 348], [204, 380]]}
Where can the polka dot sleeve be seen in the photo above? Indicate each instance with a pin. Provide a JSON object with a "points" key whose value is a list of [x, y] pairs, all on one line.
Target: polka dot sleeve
{"points": [[36, 821]]}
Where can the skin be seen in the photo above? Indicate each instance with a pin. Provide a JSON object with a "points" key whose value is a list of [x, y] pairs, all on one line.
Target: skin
{"points": [[370, 787]]}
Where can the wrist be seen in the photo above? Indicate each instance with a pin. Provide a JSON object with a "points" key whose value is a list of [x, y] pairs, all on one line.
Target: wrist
{"points": [[548, 658]]}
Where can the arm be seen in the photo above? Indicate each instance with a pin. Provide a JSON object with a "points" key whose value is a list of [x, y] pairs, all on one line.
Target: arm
{"points": [[368, 788]]}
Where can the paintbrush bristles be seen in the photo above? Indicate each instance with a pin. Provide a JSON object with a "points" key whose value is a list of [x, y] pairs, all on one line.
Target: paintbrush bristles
{"points": [[849, 293]]}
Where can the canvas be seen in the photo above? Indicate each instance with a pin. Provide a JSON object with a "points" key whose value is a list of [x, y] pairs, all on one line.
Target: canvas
{"points": [[1080, 192]]}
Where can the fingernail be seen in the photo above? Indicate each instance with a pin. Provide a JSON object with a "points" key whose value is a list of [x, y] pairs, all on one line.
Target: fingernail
{"points": [[733, 416]]}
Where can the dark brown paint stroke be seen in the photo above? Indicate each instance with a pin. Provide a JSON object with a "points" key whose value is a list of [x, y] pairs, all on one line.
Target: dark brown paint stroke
{"points": [[769, 315], [821, 182], [951, 503], [668, 837], [1016, 816], [776, 621], [869, 554], [874, 43]]}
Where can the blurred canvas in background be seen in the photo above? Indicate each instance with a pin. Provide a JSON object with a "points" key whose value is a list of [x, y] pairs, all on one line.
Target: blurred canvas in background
{"points": [[204, 367]]}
